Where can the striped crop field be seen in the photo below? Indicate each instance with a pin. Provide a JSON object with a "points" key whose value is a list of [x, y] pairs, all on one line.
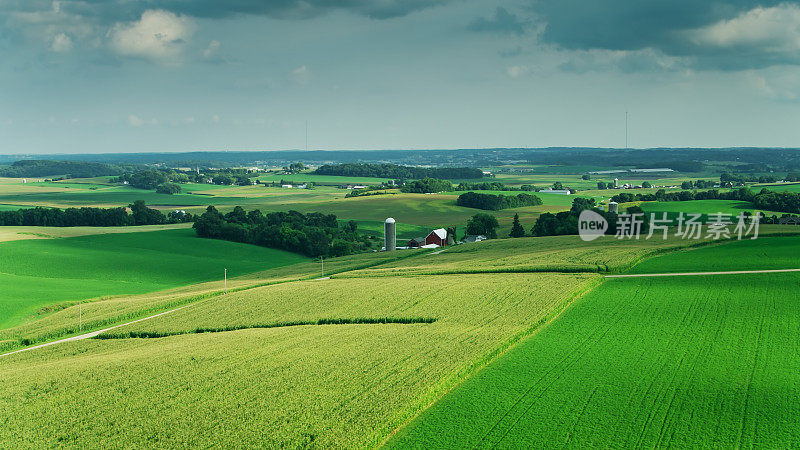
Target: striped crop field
{"points": [[689, 362], [337, 385]]}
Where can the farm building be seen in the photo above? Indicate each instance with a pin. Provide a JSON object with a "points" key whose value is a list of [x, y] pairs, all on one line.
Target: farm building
{"points": [[437, 236], [474, 238], [556, 191], [416, 242]]}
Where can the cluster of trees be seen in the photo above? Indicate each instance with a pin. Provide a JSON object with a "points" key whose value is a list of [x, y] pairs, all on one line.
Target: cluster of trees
{"points": [[493, 186], [91, 217], [698, 184], [312, 234], [765, 199], [735, 178], [427, 186], [492, 202], [153, 179], [166, 180], [294, 168], [72, 169], [371, 190], [168, 188], [483, 224], [566, 222], [397, 172]]}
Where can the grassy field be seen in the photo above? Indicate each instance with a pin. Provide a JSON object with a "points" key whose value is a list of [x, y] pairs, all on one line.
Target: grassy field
{"points": [[764, 254], [300, 178], [644, 362], [21, 233], [783, 187], [506, 343], [289, 386], [546, 254], [37, 273], [699, 207], [100, 313]]}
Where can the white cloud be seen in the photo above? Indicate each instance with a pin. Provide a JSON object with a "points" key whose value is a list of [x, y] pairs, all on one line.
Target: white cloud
{"points": [[215, 118], [775, 29], [516, 71], [159, 36], [188, 120], [301, 75], [212, 50], [61, 43], [136, 121]]}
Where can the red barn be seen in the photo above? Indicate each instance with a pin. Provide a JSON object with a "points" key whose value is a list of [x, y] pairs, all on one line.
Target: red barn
{"points": [[438, 237]]}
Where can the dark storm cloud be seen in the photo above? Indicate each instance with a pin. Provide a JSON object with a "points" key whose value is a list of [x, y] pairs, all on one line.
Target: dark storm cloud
{"points": [[721, 34], [632, 25], [502, 21], [295, 9]]}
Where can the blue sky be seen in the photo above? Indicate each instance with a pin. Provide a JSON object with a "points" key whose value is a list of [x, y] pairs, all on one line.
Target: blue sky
{"points": [[176, 75]]}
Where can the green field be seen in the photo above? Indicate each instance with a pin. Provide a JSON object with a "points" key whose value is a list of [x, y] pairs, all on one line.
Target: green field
{"points": [[39, 273], [765, 253], [702, 361], [285, 386], [508, 342], [300, 178], [783, 187]]}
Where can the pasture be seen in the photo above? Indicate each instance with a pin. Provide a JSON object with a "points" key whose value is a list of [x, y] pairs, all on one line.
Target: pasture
{"points": [[38, 273], [643, 362]]}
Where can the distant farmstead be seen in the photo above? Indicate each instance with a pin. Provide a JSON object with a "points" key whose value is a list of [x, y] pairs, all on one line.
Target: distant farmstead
{"points": [[437, 237]]}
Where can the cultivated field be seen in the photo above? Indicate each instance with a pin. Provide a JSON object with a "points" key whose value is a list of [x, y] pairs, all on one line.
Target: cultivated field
{"points": [[326, 385], [647, 362]]}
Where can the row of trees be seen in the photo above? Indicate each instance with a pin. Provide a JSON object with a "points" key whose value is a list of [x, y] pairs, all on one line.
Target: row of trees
{"points": [[73, 169], [737, 178], [91, 217], [166, 180], [312, 234], [427, 186], [493, 186], [397, 172], [493, 202], [765, 199]]}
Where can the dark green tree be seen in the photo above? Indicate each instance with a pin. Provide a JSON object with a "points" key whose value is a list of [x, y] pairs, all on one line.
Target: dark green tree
{"points": [[482, 223], [516, 228]]}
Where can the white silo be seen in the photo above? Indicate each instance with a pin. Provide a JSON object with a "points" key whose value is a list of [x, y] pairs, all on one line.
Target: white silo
{"points": [[390, 235], [613, 207]]}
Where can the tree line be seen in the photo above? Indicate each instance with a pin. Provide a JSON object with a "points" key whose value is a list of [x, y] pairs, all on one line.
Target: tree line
{"points": [[312, 234], [397, 172], [139, 214], [493, 202], [493, 186], [765, 199], [427, 186], [73, 169]]}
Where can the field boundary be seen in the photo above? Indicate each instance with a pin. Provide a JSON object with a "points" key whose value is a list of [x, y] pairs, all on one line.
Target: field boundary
{"points": [[190, 299], [682, 274], [320, 322], [94, 333], [464, 374]]}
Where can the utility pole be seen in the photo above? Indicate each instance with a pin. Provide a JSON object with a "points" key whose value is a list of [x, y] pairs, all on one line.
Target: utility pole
{"points": [[226, 281], [626, 128]]}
